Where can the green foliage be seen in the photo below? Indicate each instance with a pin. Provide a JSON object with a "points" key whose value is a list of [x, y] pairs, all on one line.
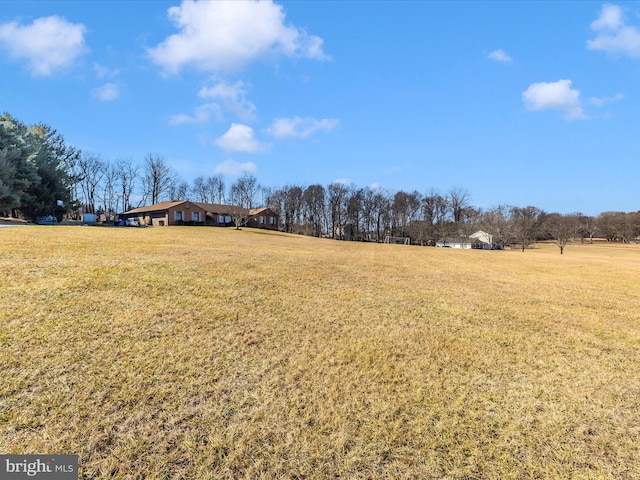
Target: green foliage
{"points": [[35, 166]]}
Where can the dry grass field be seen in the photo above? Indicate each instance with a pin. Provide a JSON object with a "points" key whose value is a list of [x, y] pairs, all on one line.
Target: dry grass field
{"points": [[204, 353]]}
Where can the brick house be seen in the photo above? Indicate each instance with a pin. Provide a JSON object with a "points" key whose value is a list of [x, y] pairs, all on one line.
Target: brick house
{"points": [[263, 218], [185, 212]]}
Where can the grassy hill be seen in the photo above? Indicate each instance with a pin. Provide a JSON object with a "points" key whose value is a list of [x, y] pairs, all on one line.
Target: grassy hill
{"points": [[211, 353]]}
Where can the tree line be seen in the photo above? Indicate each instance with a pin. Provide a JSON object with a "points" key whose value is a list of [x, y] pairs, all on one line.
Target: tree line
{"points": [[41, 175], [347, 212]]}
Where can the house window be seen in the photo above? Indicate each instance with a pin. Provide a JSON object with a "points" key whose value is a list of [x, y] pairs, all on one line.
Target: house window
{"points": [[220, 218], [178, 216], [272, 220], [261, 219], [195, 216]]}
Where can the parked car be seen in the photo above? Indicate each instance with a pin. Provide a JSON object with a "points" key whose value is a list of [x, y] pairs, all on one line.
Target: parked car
{"points": [[132, 222]]}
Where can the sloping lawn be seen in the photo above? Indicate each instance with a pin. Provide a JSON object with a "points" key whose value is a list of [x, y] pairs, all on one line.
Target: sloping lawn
{"points": [[205, 353]]}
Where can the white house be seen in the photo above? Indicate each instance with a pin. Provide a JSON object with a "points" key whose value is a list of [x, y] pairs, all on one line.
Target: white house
{"points": [[461, 242], [480, 240]]}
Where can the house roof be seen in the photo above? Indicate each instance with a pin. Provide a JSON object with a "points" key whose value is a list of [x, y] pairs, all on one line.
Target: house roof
{"points": [[457, 240], [155, 208], [258, 211], [212, 208]]}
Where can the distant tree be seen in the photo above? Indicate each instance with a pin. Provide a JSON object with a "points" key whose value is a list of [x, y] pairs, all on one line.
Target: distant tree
{"points": [[215, 187], [441, 209], [200, 191], [404, 209], [459, 201], [524, 224], [588, 227], [337, 195], [178, 189], [292, 196], [110, 198], [244, 191], [242, 194], [127, 174], [314, 208], [470, 220], [496, 221], [275, 201], [354, 213], [375, 202], [562, 228], [619, 226], [427, 230], [157, 178], [91, 169]]}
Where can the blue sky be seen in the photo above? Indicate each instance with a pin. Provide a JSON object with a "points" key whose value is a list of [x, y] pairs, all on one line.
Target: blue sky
{"points": [[520, 103]]}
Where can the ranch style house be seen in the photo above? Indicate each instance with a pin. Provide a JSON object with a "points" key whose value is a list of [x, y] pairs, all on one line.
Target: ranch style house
{"points": [[479, 240], [185, 212]]}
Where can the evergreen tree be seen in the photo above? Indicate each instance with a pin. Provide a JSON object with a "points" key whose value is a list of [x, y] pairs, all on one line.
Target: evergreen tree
{"points": [[35, 166]]}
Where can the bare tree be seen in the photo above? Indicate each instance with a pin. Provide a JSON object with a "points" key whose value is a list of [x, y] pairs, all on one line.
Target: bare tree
{"points": [[354, 213], [525, 224], [619, 226], [244, 191], [91, 169], [127, 178], [588, 227], [242, 194], [314, 205], [404, 208], [110, 198], [337, 196], [200, 191], [292, 205], [178, 189], [459, 201], [496, 221], [239, 214], [562, 228], [369, 212], [157, 178], [215, 188], [441, 208]]}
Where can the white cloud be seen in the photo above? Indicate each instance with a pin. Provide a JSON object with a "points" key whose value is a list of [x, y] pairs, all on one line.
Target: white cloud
{"points": [[239, 138], [613, 35], [602, 100], [218, 36], [297, 127], [232, 168], [500, 56], [554, 96], [232, 98], [342, 181], [201, 114], [103, 72], [106, 93], [610, 18], [48, 44]]}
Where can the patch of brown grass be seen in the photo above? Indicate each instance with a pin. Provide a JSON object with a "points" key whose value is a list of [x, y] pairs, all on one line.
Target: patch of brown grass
{"points": [[213, 353]]}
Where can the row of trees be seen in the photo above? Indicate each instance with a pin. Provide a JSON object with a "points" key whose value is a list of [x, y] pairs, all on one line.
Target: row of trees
{"points": [[369, 214], [38, 171]]}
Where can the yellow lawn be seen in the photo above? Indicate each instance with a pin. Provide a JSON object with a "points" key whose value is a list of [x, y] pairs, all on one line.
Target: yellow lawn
{"points": [[197, 353]]}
